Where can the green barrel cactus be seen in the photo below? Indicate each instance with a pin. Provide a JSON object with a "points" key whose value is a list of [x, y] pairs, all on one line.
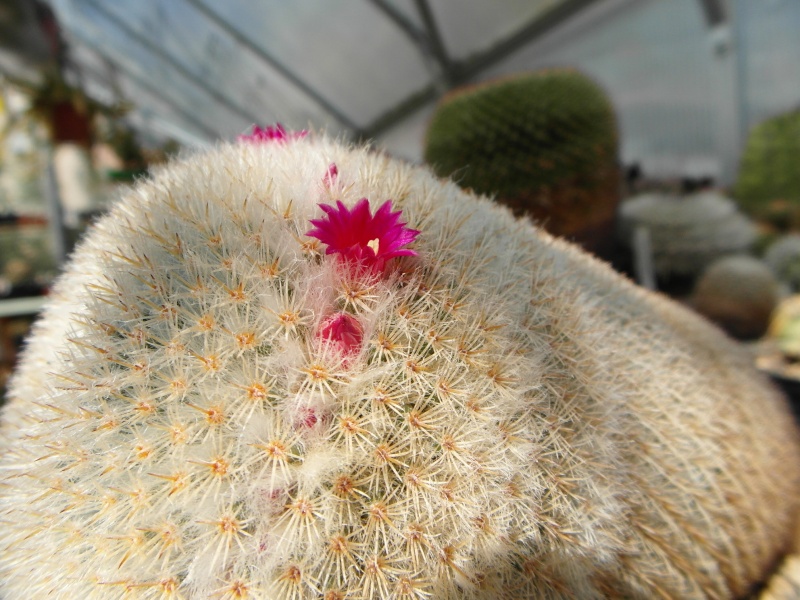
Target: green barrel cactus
{"points": [[288, 369], [768, 183], [687, 232], [544, 144]]}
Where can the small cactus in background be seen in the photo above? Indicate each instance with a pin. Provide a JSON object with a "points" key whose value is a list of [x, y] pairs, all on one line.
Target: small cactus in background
{"points": [[786, 582], [544, 144], [783, 257], [768, 184], [738, 293], [291, 369], [785, 329], [687, 233], [779, 353]]}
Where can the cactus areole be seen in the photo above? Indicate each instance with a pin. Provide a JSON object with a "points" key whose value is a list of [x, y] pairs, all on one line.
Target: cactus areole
{"points": [[286, 369]]}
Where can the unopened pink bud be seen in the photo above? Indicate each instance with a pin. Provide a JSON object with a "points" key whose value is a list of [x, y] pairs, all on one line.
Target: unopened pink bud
{"points": [[343, 332]]}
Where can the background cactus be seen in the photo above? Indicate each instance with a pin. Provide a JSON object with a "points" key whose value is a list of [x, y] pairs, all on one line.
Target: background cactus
{"points": [[768, 183], [544, 144], [783, 257], [739, 294], [507, 417], [687, 233], [785, 330]]}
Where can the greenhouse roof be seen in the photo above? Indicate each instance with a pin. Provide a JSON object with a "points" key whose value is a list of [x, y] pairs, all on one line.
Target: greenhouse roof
{"points": [[687, 78], [353, 67]]}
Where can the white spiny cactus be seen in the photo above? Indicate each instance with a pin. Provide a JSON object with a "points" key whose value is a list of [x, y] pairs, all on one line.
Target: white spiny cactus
{"points": [[783, 257], [213, 408], [687, 233]]}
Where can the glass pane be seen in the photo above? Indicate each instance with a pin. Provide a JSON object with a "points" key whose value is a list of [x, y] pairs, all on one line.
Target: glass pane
{"points": [[347, 51], [470, 26]]}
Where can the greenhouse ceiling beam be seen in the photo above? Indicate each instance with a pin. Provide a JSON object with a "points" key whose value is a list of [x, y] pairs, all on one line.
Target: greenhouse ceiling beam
{"points": [[436, 43], [463, 71], [145, 85], [273, 62], [174, 63], [534, 30], [714, 12], [401, 111], [414, 33], [439, 64]]}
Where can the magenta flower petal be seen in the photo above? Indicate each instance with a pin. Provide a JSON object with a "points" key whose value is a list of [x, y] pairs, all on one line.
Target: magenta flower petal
{"points": [[362, 238], [271, 133]]}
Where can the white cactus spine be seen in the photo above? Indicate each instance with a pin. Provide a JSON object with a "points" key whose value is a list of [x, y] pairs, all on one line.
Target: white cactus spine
{"points": [[520, 422]]}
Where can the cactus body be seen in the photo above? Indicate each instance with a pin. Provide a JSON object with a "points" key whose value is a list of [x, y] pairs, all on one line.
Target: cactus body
{"points": [[544, 144], [769, 180], [783, 257], [687, 233], [508, 418], [738, 293], [785, 329]]}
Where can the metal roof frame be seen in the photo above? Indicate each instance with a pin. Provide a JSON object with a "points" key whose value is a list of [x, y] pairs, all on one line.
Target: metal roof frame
{"points": [[174, 63], [276, 64], [459, 72], [445, 72]]}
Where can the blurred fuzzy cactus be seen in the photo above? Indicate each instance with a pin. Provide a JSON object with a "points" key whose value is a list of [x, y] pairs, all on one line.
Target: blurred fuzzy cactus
{"points": [[783, 257], [412, 396], [544, 144], [687, 233], [738, 293], [768, 185]]}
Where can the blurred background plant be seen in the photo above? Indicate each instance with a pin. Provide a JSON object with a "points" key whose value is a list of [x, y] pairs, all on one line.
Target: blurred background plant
{"points": [[768, 185], [544, 144], [738, 293], [686, 232]]}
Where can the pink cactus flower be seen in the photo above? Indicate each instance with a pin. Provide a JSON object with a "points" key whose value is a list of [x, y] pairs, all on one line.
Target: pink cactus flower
{"points": [[270, 133], [361, 238], [343, 332]]}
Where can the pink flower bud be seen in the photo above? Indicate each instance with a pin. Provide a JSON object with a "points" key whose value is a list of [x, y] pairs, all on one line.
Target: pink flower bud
{"points": [[330, 175], [270, 133], [343, 332]]}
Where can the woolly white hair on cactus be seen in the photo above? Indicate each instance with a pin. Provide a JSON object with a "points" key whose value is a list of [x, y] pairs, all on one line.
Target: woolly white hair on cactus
{"points": [[290, 369]]}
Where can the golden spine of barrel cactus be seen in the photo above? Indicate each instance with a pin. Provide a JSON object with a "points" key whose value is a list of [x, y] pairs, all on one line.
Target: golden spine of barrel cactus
{"points": [[226, 400]]}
